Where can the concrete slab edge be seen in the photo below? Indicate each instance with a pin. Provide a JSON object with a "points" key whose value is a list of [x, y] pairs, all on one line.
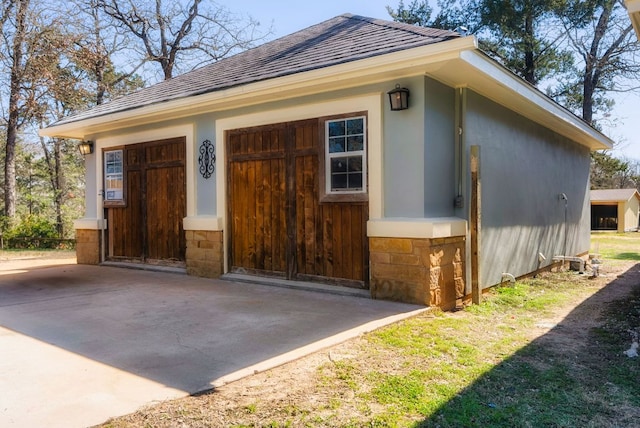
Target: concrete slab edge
{"points": [[313, 347], [147, 267], [296, 285]]}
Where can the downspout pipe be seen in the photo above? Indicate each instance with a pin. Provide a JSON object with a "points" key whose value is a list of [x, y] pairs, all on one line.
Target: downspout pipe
{"points": [[563, 196]]}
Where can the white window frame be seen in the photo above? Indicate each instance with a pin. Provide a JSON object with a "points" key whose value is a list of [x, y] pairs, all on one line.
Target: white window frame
{"points": [[114, 195], [329, 156]]}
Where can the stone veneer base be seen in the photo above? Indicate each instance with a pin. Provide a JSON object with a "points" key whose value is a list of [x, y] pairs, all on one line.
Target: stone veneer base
{"points": [[205, 253], [425, 271], [88, 246]]}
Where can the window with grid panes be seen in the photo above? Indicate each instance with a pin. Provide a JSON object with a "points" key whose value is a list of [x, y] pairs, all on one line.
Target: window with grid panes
{"points": [[346, 155]]}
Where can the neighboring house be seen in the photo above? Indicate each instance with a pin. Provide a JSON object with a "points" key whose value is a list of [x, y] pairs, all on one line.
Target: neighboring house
{"points": [[615, 209], [287, 161], [633, 9]]}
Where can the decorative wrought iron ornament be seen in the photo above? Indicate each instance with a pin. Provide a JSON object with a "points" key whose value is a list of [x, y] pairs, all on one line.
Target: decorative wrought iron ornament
{"points": [[207, 159]]}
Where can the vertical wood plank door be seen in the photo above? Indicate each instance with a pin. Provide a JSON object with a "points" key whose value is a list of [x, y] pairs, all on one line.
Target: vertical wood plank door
{"points": [[278, 226], [257, 201], [125, 237], [165, 201], [148, 228]]}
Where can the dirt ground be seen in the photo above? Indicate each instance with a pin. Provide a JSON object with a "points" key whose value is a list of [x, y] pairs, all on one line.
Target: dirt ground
{"points": [[11, 261]]}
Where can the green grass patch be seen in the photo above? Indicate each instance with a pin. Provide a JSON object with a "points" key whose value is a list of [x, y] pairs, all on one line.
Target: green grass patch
{"points": [[492, 375], [617, 246], [627, 256]]}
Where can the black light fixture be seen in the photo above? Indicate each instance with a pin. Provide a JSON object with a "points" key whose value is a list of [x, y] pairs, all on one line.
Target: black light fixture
{"points": [[399, 98], [85, 147]]}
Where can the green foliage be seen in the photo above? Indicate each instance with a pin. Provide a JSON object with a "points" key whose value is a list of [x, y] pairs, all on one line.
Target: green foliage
{"points": [[32, 231], [32, 226], [609, 172], [577, 51], [47, 190], [417, 13], [604, 45], [518, 34], [452, 14]]}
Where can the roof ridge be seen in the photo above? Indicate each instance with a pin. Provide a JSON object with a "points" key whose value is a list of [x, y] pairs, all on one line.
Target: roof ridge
{"points": [[395, 25]]}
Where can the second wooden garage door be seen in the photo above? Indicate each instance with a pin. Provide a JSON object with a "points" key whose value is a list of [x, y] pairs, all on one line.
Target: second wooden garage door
{"points": [[278, 224]]}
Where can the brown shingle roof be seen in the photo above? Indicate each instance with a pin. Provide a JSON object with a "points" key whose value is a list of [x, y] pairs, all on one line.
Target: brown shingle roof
{"points": [[612, 195], [342, 39]]}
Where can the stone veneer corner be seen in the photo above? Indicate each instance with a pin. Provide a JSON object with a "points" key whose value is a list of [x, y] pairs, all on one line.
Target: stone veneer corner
{"points": [[424, 271]]}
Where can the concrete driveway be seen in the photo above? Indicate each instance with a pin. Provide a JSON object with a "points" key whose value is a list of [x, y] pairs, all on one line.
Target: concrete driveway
{"points": [[80, 344]]}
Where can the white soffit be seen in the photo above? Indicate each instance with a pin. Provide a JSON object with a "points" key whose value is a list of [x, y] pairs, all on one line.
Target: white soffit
{"points": [[476, 71]]}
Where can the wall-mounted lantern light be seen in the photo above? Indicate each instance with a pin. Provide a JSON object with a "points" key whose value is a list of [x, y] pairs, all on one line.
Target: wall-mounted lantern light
{"points": [[399, 98], [85, 147]]}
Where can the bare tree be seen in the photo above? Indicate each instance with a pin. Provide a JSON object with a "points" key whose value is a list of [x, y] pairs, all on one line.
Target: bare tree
{"points": [[179, 37], [31, 46], [607, 51], [96, 42]]}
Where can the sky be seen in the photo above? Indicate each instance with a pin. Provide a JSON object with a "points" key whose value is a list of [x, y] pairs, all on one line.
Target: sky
{"points": [[288, 16]]}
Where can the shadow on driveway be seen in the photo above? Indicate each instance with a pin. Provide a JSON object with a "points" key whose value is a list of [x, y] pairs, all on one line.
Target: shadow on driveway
{"points": [[84, 343]]}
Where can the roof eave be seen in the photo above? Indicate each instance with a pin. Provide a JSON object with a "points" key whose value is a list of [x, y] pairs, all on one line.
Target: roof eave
{"points": [[509, 90], [371, 70], [456, 62]]}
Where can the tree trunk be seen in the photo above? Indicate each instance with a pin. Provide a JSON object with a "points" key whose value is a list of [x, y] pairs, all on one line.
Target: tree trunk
{"points": [[53, 162], [529, 58], [587, 94], [59, 187], [592, 63], [13, 122]]}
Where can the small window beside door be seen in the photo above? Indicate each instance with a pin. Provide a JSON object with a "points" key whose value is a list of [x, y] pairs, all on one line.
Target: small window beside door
{"points": [[114, 178], [345, 156]]}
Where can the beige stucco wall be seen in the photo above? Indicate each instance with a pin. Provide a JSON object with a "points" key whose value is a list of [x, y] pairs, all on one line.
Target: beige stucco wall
{"points": [[628, 214]]}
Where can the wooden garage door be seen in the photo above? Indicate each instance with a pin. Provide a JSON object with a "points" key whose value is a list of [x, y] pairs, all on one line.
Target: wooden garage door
{"points": [[148, 227], [278, 224]]}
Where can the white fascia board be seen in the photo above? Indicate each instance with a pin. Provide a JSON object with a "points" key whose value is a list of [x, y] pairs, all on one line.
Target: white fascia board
{"points": [[633, 9], [351, 74], [528, 101]]}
